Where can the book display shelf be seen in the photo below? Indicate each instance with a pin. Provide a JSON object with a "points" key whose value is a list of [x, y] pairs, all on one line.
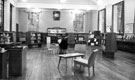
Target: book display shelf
{"points": [[34, 39]]}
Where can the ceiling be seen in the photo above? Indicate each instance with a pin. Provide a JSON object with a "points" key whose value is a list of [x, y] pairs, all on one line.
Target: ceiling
{"points": [[69, 4], [79, 2]]}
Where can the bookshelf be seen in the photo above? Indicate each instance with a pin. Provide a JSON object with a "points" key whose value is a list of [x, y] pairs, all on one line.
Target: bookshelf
{"points": [[34, 39], [81, 38], [22, 37], [55, 33], [6, 37], [110, 45]]}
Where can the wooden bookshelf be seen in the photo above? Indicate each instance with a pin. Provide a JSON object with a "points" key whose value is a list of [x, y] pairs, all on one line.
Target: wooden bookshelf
{"points": [[110, 45], [7, 37], [34, 39], [71, 38], [22, 37], [81, 38]]}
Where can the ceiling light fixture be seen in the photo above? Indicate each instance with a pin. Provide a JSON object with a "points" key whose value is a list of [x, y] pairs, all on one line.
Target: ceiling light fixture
{"points": [[63, 1], [28, 6], [24, 0]]}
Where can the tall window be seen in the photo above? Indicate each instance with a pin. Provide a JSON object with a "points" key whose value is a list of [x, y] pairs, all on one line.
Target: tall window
{"points": [[102, 20], [11, 13], [118, 17], [1, 15]]}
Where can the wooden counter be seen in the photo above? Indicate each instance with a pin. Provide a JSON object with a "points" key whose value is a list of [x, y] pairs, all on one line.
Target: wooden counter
{"points": [[17, 60], [3, 64]]}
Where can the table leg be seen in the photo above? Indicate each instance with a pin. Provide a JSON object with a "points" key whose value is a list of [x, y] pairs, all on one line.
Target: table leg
{"points": [[82, 56], [59, 62], [66, 64]]}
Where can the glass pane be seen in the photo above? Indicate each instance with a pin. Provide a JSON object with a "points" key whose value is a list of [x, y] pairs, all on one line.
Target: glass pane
{"points": [[102, 21], [118, 18], [1, 15]]}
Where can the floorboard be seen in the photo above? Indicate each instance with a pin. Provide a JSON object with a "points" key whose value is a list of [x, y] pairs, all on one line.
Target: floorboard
{"points": [[43, 66]]}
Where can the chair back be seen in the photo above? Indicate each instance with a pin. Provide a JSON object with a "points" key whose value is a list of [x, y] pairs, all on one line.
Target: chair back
{"points": [[92, 57], [80, 48]]}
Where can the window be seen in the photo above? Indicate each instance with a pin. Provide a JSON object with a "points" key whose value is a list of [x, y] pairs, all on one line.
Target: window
{"points": [[118, 17], [11, 12], [102, 20], [1, 15]]}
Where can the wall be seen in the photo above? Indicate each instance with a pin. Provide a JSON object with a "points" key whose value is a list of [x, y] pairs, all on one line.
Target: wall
{"points": [[66, 20], [94, 20], [7, 15], [88, 22], [17, 15], [129, 11], [22, 19], [46, 20], [129, 16]]}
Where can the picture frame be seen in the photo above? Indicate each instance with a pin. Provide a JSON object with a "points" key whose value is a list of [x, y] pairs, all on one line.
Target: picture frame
{"points": [[56, 15]]}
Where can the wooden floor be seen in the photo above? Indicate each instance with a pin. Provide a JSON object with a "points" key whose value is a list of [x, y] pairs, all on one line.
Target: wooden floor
{"points": [[43, 66]]}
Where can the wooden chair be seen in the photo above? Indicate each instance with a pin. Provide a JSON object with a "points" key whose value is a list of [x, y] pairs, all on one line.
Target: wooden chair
{"points": [[80, 48], [87, 62]]}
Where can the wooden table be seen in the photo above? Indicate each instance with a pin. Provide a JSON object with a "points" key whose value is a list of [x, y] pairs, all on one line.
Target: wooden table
{"points": [[69, 55]]}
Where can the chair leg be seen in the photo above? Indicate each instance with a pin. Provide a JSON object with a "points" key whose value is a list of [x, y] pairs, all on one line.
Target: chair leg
{"points": [[66, 63], [59, 62], [89, 71], [75, 66], [80, 66], [93, 70]]}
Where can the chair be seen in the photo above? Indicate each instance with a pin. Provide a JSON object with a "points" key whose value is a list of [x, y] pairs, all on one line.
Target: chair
{"points": [[80, 48], [87, 62]]}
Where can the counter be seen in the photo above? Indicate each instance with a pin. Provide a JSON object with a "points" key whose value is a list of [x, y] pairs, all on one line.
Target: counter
{"points": [[3, 64], [17, 60]]}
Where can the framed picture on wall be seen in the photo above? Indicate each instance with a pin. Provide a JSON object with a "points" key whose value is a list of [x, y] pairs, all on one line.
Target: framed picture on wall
{"points": [[56, 15]]}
